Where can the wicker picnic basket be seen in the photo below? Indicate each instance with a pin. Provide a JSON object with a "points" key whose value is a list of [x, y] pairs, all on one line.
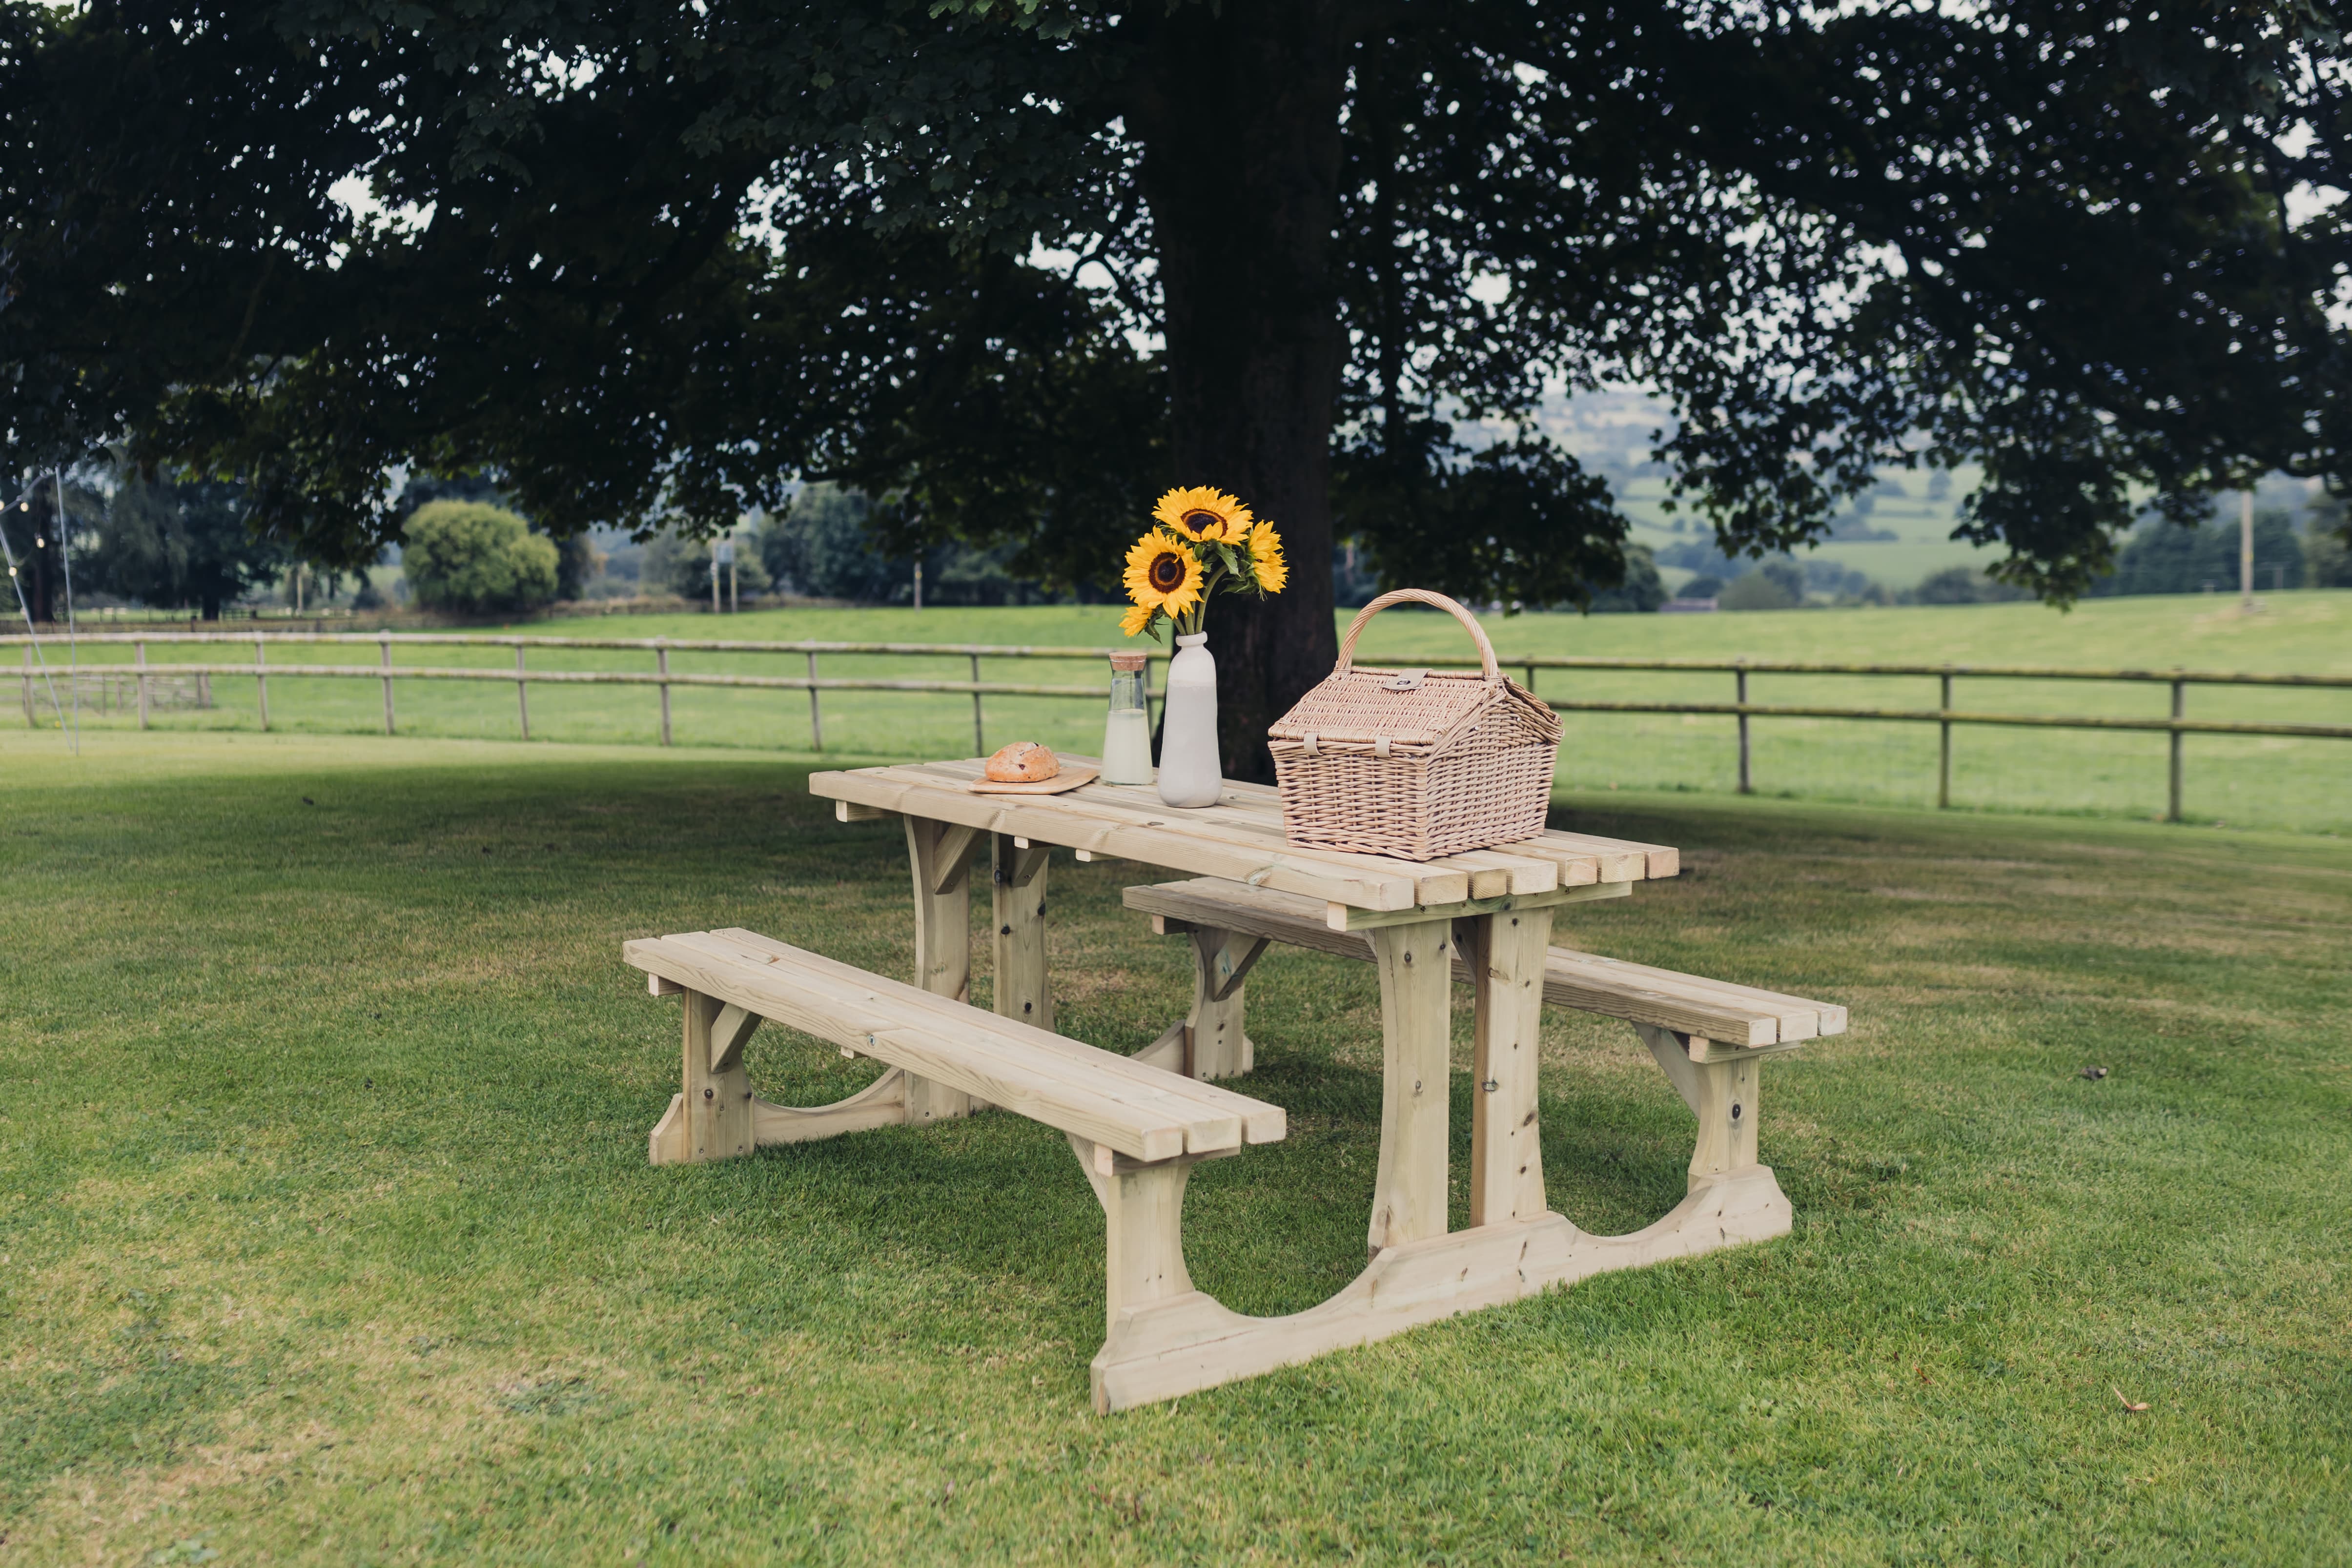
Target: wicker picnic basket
{"points": [[1414, 763]]}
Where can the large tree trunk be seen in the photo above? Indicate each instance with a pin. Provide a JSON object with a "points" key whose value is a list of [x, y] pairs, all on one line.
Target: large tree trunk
{"points": [[1238, 112]]}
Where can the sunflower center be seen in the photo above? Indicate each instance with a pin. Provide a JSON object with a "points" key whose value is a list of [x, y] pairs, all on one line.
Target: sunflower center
{"points": [[1166, 571], [1199, 523]]}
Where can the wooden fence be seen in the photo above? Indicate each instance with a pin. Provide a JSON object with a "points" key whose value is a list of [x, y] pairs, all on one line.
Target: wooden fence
{"points": [[1945, 716]]}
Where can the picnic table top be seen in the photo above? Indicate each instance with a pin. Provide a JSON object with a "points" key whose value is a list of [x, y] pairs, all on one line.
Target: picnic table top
{"points": [[1240, 838]]}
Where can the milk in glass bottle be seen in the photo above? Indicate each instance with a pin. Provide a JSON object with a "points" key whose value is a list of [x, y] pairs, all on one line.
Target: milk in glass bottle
{"points": [[1127, 732]]}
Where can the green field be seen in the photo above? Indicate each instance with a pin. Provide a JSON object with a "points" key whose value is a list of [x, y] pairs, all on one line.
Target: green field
{"points": [[326, 1236], [1922, 544], [2267, 781]]}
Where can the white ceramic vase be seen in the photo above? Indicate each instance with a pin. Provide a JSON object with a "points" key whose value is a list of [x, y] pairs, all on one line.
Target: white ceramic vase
{"points": [[1191, 772]]}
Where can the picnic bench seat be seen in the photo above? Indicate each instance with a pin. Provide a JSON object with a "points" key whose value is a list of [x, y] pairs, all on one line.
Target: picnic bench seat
{"points": [[1691, 1024], [1137, 1128]]}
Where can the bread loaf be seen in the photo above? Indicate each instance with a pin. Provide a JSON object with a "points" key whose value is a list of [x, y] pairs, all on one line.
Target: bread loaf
{"points": [[1023, 762]]}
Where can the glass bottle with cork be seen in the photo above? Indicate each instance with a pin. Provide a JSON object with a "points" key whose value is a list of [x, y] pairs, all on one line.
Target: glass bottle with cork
{"points": [[1127, 731]]}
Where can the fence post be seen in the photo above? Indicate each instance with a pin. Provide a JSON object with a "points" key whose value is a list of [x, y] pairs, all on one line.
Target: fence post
{"points": [[1944, 758], [1531, 680], [142, 685], [1745, 788], [29, 723], [979, 745], [661, 663], [261, 681], [2179, 695], [816, 714], [384, 645], [523, 694]]}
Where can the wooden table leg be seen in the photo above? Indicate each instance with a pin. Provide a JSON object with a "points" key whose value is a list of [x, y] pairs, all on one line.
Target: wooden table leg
{"points": [[716, 1096], [1506, 957], [1721, 1094], [940, 854], [1016, 906], [1727, 1119], [1416, 997], [1222, 961]]}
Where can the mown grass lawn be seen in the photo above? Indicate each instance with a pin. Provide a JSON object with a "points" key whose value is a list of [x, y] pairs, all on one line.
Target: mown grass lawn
{"points": [[327, 1234]]}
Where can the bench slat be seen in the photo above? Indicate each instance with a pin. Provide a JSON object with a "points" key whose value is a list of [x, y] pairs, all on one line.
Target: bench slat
{"points": [[1717, 1011], [1261, 1122], [1068, 1085], [1001, 1044], [974, 1061]]}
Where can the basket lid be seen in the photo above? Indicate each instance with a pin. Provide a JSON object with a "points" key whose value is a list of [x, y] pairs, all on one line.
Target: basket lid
{"points": [[1363, 703], [1405, 706]]}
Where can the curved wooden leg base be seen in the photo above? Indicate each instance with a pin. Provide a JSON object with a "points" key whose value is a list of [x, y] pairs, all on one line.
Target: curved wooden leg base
{"points": [[1177, 1343], [881, 1103]]}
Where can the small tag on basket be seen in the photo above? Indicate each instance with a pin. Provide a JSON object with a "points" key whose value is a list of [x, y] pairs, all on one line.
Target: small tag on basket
{"points": [[1404, 681]]}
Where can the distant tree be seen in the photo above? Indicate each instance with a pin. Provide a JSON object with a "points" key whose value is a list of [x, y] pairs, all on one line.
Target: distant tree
{"points": [[1952, 585], [682, 566], [2162, 557], [1354, 584], [1774, 585], [822, 545], [1641, 591], [1962, 585], [174, 542], [1701, 587], [961, 573], [473, 557], [2327, 560]]}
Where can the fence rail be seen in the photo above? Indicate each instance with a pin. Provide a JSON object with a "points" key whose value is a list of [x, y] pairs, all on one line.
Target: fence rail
{"points": [[1945, 714]]}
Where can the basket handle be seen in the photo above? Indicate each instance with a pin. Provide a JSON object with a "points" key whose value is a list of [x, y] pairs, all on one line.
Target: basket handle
{"points": [[1419, 596]]}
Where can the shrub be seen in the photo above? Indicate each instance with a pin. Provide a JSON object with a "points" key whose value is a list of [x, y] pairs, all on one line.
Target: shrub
{"points": [[470, 556], [1962, 585], [1953, 585], [1775, 585]]}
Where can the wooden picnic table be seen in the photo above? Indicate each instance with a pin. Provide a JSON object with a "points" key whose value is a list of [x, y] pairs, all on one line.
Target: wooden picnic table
{"points": [[1489, 912]]}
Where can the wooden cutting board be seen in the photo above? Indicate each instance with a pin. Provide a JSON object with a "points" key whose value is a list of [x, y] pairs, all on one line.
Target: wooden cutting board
{"points": [[1068, 779]]}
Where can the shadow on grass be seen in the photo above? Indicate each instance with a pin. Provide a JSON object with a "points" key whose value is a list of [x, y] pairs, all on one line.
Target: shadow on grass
{"points": [[1276, 1229]]}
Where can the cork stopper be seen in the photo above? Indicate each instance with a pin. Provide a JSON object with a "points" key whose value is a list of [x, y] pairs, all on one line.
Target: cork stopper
{"points": [[1127, 662]]}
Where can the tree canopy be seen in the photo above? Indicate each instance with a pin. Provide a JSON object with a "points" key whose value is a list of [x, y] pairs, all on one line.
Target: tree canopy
{"points": [[1017, 266]]}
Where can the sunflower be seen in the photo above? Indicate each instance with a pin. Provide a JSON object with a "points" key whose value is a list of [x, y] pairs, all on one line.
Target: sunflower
{"points": [[1201, 513], [1138, 621], [1162, 574], [1265, 555]]}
